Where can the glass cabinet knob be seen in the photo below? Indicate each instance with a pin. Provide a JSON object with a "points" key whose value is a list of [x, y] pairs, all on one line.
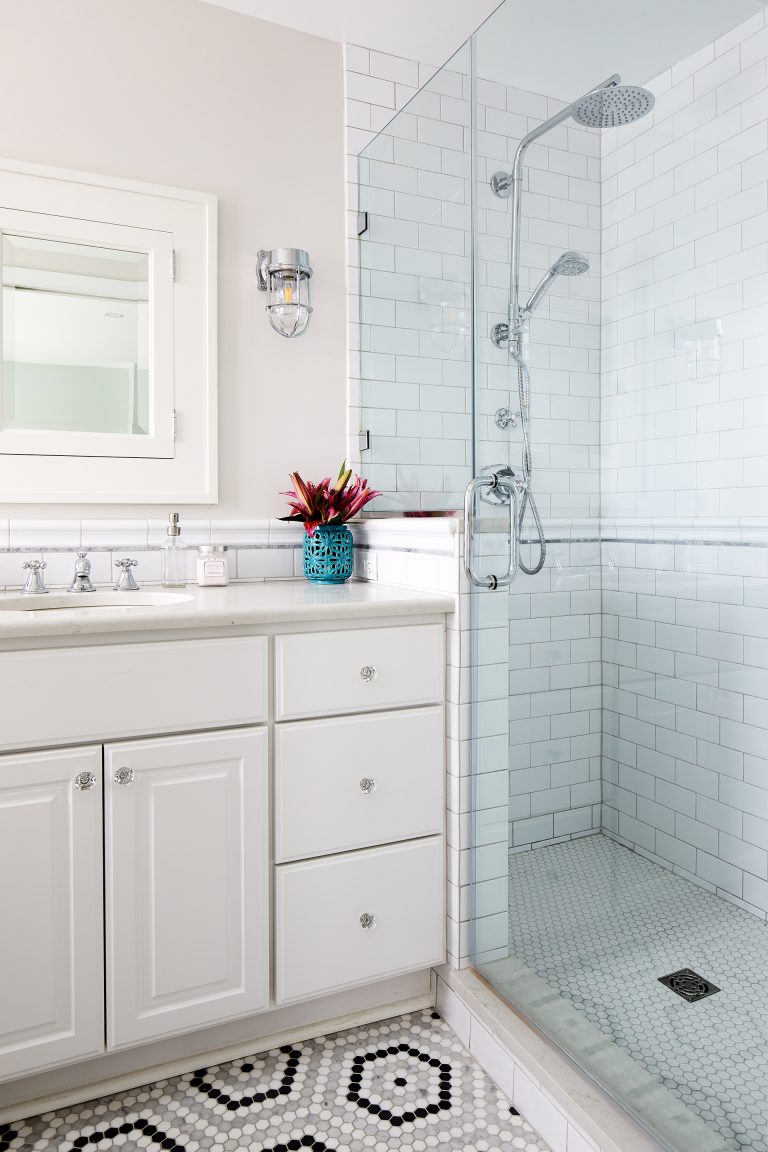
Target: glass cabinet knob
{"points": [[124, 777], [367, 921], [368, 673], [367, 785], [84, 781]]}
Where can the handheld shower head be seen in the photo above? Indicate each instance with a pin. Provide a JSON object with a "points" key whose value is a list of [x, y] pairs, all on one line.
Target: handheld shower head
{"points": [[614, 106], [568, 264], [571, 264]]}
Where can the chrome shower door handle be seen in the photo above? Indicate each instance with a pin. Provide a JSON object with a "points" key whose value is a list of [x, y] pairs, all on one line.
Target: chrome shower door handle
{"points": [[505, 482]]}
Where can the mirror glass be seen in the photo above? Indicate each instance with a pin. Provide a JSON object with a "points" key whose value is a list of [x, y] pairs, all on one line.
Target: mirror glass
{"points": [[75, 337]]}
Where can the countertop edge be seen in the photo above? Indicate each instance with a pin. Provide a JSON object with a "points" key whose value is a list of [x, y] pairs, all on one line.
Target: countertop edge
{"points": [[205, 614]]}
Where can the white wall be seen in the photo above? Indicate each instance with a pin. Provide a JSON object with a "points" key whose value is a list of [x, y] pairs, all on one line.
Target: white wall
{"points": [[685, 429], [685, 212], [187, 94]]}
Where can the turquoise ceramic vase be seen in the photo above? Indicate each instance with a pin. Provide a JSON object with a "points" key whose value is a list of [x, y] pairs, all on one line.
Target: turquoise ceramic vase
{"points": [[329, 554]]}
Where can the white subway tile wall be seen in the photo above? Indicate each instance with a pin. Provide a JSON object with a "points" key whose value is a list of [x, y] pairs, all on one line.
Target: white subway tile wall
{"points": [[685, 292], [376, 86], [555, 679], [258, 549], [414, 284], [685, 720], [561, 211], [685, 471], [413, 374]]}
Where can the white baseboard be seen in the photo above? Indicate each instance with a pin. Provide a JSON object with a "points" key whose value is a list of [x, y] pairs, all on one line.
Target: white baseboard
{"points": [[120, 1071]]}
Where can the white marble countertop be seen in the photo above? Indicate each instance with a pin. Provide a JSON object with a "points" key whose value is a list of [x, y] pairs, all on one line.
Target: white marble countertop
{"points": [[261, 602]]}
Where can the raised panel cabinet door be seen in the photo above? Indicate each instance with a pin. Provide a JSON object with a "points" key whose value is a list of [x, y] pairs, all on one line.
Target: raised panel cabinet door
{"points": [[51, 892], [187, 901]]}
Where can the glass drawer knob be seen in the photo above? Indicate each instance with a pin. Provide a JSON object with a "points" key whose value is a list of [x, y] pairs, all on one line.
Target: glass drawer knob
{"points": [[124, 777], [368, 673], [367, 921], [367, 785], [84, 781]]}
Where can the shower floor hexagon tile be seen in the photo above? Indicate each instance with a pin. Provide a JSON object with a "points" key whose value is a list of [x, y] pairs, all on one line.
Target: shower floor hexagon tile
{"points": [[405, 1083], [600, 924]]}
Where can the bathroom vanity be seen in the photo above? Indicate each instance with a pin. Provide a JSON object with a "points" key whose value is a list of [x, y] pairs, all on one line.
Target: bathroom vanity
{"points": [[220, 818]]}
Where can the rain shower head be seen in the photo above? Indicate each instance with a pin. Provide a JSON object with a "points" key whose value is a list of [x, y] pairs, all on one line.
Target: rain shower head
{"points": [[614, 106], [569, 264]]}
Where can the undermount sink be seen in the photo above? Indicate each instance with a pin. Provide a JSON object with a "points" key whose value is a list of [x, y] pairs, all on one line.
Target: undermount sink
{"points": [[52, 600]]}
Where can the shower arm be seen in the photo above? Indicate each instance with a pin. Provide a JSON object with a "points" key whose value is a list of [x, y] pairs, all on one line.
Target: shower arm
{"points": [[512, 184]]}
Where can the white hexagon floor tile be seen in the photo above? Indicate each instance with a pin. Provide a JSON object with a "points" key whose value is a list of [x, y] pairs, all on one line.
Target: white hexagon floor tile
{"points": [[405, 1083], [601, 924]]}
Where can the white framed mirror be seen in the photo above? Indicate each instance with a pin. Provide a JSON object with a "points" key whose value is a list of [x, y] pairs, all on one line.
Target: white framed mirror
{"points": [[108, 338]]}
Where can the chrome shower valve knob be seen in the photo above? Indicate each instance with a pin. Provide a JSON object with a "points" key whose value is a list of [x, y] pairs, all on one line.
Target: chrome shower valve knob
{"points": [[505, 418]]}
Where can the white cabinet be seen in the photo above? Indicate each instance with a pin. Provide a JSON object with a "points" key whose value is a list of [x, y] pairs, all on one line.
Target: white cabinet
{"points": [[187, 834], [149, 887], [356, 781], [362, 670], [346, 920], [51, 969], [133, 689]]}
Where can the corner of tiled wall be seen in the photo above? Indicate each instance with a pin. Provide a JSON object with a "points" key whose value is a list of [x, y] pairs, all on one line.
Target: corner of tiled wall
{"points": [[376, 86]]}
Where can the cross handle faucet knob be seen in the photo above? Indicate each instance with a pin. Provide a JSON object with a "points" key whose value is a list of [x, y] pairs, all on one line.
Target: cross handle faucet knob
{"points": [[126, 581]]}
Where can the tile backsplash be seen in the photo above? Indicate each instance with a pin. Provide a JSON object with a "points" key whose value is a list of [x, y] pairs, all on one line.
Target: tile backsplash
{"points": [[259, 549]]}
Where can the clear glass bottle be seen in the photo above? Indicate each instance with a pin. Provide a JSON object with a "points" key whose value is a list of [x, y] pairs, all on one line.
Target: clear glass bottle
{"points": [[174, 555]]}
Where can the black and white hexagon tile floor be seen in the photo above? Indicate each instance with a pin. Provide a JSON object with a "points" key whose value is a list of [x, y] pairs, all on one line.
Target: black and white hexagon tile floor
{"points": [[405, 1083]]}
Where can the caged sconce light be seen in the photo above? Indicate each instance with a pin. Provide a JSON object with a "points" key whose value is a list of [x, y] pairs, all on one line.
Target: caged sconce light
{"points": [[284, 274]]}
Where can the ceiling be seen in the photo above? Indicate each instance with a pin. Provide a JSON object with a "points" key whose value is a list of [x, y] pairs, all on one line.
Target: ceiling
{"points": [[425, 30], [560, 47], [565, 47]]}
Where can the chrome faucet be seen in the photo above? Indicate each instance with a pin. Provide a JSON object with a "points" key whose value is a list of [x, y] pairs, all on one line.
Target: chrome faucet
{"points": [[34, 584], [81, 581], [126, 581]]}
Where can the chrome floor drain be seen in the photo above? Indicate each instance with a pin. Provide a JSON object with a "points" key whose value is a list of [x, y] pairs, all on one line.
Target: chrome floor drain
{"points": [[689, 984]]}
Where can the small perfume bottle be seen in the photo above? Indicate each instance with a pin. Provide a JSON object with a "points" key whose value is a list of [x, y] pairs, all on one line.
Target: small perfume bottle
{"points": [[174, 555]]}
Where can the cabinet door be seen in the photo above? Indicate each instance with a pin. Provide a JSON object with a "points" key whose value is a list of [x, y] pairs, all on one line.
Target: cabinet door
{"points": [[51, 956], [187, 848]]}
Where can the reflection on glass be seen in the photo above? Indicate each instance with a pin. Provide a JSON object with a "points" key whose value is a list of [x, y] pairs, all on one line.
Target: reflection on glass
{"points": [[75, 337]]}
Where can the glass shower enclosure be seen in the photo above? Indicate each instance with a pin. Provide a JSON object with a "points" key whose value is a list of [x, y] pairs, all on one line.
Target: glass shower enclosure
{"points": [[619, 751]]}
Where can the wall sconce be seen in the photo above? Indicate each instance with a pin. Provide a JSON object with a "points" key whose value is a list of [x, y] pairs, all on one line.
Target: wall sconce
{"points": [[284, 274]]}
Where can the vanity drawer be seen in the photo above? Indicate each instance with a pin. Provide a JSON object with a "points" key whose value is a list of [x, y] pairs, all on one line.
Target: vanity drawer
{"points": [[321, 907], [73, 695], [356, 781], [364, 670]]}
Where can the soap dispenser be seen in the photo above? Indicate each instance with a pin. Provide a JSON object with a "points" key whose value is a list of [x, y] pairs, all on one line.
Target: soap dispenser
{"points": [[174, 555]]}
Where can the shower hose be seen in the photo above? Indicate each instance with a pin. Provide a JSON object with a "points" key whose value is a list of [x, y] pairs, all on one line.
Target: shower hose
{"points": [[528, 501]]}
